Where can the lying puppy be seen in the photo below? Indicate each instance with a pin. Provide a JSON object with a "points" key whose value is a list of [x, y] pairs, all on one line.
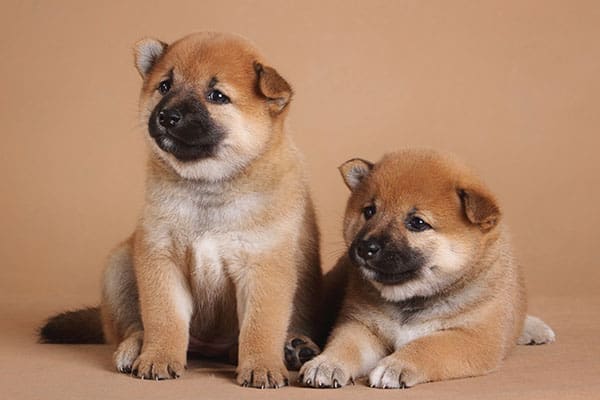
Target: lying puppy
{"points": [[432, 290], [227, 234]]}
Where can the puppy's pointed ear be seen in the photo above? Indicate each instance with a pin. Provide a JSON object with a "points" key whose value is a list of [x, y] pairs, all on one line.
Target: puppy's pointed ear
{"points": [[146, 53], [354, 171], [480, 207], [271, 85]]}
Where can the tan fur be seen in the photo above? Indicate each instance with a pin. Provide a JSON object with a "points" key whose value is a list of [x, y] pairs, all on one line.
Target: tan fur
{"points": [[464, 310], [226, 249]]}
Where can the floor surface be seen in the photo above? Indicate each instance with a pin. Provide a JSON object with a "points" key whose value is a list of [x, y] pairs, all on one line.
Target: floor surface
{"points": [[567, 369]]}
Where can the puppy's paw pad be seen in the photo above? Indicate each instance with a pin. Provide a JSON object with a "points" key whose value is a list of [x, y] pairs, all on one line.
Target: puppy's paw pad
{"points": [[298, 350], [263, 377], [392, 374], [127, 352], [536, 331], [321, 372], [157, 366]]}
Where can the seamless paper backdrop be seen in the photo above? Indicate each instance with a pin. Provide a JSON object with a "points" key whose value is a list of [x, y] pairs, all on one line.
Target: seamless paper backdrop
{"points": [[513, 87]]}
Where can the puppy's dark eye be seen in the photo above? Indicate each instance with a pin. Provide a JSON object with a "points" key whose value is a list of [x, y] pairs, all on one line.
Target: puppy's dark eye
{"points": [[214, 96], [369, 211], [416, 224], [164, 86]]}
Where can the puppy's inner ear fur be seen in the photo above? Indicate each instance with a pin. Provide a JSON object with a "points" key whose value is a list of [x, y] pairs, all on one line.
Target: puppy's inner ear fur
{"points": [[271, 85], [354, 171], [147, 53], [480, 208]]}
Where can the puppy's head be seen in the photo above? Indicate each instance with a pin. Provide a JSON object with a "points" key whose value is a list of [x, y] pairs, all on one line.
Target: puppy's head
{"points": [[210, 103], [416, 222]]}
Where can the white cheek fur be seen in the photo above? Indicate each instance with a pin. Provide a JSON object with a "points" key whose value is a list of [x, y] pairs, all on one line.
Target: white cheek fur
{"points": [[448, 256]]}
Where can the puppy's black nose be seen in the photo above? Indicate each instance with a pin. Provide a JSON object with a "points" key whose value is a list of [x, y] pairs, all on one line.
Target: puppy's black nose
{"points": [[368, 249], [169, 118]]}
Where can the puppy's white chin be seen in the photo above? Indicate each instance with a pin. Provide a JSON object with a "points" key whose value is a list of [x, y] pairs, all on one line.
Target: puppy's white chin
{"points": [[223, 166], [426, 284]]}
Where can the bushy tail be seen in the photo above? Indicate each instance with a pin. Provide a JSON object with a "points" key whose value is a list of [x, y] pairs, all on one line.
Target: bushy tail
{"points": [[73, 327]]}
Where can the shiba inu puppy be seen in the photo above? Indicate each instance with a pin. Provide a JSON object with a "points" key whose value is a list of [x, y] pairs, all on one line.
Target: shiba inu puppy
{"points": [[227, 236], [432, 291]]}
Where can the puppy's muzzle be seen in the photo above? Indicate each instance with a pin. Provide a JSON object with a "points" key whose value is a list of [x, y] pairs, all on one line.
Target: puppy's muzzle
{"points": [[185, 128], [191, 128], [388, 262]]}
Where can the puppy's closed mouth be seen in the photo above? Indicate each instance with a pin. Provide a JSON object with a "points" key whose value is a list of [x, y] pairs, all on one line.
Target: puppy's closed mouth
{"points": [[184, 151], [387, 277]]}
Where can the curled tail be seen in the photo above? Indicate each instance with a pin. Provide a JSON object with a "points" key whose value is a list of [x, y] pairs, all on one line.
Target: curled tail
{"points": [[74, 327]]}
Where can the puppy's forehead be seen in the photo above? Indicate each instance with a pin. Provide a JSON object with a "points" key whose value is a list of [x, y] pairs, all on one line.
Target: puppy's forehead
{"points": [[415, 180], [202, 56]]}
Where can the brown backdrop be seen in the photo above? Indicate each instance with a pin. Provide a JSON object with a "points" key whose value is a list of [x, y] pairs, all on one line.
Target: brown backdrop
{"points": [[513, 87]]}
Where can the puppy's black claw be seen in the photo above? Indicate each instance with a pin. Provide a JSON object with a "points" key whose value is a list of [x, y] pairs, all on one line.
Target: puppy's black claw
{"points": [[173, 374], [336, 384]]}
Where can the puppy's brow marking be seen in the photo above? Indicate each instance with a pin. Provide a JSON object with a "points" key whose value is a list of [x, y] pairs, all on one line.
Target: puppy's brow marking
{"points": [[213, 82]]}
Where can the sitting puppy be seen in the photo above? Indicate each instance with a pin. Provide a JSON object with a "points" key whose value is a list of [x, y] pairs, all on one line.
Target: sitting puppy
{"points": [[432, 291], [227, 236]]}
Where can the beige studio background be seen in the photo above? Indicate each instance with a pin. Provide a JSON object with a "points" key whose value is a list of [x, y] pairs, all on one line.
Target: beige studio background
{"points": [[513, 87]]}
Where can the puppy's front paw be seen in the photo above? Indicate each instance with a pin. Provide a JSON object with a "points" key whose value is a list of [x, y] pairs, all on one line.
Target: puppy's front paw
{"points": [[322, 372], [157, 366], [262, 375], [392, 373]]}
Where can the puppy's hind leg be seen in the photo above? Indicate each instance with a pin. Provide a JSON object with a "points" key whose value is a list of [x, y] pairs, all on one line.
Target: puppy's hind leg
{"points": [[122, 323], [128, 351], [298, 350], [536, 331]]}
